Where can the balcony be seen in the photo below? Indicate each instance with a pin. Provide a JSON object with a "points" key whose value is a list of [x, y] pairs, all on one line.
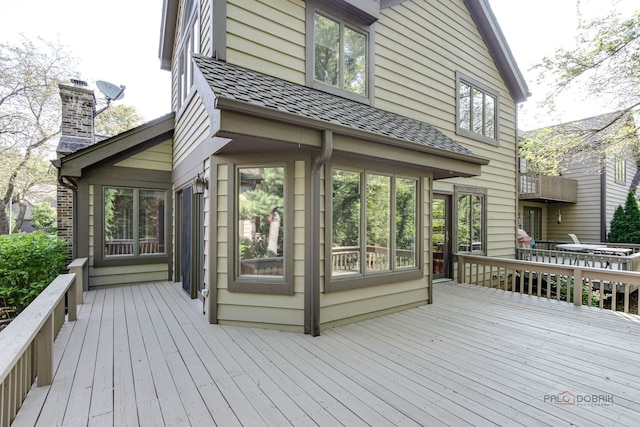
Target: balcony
{"points": [[145, 355], [541, 188]]}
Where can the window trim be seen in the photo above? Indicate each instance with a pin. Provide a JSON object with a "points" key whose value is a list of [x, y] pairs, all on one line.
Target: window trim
{"points": [[363, 280], [465, 190], [99, 258], [279, 285], [313, 6], [620, 171], [189, 43], [462, 78]]}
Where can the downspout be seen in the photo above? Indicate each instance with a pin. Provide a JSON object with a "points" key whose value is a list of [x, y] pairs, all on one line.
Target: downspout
{"points": [[312, 297], [74, 209], [603, 201]]}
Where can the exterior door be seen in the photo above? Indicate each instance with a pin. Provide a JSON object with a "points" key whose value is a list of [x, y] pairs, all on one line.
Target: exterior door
{"points": [[186, 239], [191, 241], [441, 234]]}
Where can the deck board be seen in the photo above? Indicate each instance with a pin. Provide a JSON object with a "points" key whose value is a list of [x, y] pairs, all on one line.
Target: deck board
{"points": [[144, 355]]}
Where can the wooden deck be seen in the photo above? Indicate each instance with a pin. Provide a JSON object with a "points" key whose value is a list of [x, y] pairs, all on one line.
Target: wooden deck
{"points": [[143, 355]]}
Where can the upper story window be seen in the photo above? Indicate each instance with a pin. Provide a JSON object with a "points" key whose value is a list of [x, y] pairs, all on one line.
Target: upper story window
{"points": [[477, 110], [339, 54], [188, 45], [620, 172]]}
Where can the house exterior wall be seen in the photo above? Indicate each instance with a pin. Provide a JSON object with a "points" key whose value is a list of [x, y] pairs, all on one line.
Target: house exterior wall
{"points": [[582, 218], [616, 191], [270, 37], [157, 158]]}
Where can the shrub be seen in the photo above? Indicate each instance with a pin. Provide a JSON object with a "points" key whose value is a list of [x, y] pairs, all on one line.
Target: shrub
{"points": [[28, 263], [625, 225]]}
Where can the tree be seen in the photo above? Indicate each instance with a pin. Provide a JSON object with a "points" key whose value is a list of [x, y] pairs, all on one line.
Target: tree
{"points": [[44, 217], [29, 115], [604, 66], [625, 225], [117, 119]]}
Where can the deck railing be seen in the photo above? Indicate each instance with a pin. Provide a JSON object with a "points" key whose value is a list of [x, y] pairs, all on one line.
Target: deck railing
{"points": [[604, 288], [613, 262], [26, 345]]}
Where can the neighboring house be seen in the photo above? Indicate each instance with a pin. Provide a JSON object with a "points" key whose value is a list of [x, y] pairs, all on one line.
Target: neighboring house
{"points": [[583, 200], [328, 156]]}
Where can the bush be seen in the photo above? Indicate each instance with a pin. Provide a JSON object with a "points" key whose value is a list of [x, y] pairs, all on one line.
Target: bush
{"points": [[28, 263], [625, 225]]}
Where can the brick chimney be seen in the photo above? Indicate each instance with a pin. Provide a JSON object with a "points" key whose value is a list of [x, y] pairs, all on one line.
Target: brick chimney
{"points": [[77, 132], [78, 111]]}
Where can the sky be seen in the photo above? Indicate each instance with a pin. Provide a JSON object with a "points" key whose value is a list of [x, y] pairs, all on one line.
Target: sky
{"points": [[117, 41]]}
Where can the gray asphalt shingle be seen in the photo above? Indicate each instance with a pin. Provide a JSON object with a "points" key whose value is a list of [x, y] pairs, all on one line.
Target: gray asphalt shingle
{"points": [[234, 82]]}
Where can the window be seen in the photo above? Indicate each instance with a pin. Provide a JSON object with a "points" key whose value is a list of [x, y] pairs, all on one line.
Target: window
{"points": [[477, 110], [261, 220], [620, 172], [338, 59], [188, 45], [134, 222], [471, 224], [374, 224], [533, 222]]}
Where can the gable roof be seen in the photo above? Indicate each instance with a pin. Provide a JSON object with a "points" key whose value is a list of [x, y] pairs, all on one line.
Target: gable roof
{"points": [[479, 9], [236, 89], [497, 43], [131, 141]]}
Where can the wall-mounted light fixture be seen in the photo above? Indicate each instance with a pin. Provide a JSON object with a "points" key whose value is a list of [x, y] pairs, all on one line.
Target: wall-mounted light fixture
{"points": [[559, 217], [200, 183]]}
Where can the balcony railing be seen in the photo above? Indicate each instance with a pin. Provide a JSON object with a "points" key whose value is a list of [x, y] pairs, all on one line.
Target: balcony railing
{"points": [[534, 186], [576, 284], [27, 343]]}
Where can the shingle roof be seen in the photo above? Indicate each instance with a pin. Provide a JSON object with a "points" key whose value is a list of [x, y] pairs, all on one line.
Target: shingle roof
{"points": [[234, 82]]}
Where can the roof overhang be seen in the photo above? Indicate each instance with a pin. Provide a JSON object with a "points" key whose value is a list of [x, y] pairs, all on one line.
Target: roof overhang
{"points": [[129, 142], [167, 32], [497, 44]]}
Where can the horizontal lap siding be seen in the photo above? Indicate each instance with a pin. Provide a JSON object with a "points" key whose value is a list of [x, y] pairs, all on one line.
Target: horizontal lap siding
{"points": [[444, 36], [282, 312], [154, 158], [582, 218], [191, 129], [268, 36]]}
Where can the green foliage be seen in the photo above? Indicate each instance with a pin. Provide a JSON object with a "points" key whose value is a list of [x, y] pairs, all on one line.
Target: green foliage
{"points": [[603, 67], [117, 119], [568, 287], [28, 263], [44, 217], [625, 224]]}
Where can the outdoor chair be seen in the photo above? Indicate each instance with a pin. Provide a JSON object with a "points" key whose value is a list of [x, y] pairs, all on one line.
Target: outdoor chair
{"points": [[574, 238]]}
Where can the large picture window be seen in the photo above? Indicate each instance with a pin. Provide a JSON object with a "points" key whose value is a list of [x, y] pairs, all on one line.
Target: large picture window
{"points": [[261, 221], [374, 223], [134, 222], [477, 110], [471, 224]]}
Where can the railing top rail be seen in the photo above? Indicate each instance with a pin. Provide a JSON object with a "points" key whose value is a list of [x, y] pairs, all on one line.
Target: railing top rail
{"points": [[16, 337], [633, 276], [78, 262]]}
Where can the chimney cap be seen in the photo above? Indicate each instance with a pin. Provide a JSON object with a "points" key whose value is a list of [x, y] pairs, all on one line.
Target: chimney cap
{"points": [[79, 83]]}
